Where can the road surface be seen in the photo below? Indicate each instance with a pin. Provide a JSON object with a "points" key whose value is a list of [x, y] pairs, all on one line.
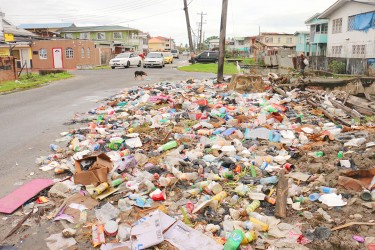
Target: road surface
{"points": [[31, 120]]}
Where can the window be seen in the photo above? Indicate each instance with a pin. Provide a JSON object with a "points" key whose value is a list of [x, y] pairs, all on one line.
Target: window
{"points": [[240, 43], [337, 25], [84, 35], [88, 52], [43, 53], [68, 53], [359, 49], [117, 35], [100, 36], [278, 40], [289, 40], [324, 28], [82, 52], [336, 50], [68, 35], [268, 40]]}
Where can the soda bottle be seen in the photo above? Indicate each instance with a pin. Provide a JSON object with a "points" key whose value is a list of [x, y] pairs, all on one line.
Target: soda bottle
{"points": [[220, 196], [167, 146], [259, 225], [249, 237], [252, 206], [234, 240], [327, 190]]}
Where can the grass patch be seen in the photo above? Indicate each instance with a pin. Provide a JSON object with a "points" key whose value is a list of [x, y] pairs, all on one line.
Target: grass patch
{"points": [[229, 68], [243, 60], [101, 67], [31, 81]]}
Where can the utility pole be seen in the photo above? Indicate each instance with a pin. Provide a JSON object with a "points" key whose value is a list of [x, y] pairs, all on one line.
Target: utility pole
{"points": [[223, 28], [200, 31], [188, 28]]}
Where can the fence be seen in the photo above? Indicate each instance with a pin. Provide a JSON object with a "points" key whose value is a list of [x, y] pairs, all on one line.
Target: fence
{"points": [[354, 66]]}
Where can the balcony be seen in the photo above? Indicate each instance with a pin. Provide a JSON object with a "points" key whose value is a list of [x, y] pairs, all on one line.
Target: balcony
{"points": [[320, 38]]}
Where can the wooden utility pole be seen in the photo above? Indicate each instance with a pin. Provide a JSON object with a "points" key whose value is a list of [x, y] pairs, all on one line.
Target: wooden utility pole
{"points": [[188, 29], [200, 31], [223, 28]]}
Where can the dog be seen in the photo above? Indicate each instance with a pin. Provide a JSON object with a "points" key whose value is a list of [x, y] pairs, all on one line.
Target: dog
{"points": [[139, 73]]}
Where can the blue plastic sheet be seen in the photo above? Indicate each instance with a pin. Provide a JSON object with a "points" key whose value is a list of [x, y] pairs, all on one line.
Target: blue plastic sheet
{"points": [[364, 21]]}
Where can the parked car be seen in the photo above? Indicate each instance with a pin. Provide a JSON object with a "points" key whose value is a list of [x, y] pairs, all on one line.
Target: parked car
{"points": [[207, 57], [125, 60], [168, 57], [154, 59], [186, 53], [175, 53]]}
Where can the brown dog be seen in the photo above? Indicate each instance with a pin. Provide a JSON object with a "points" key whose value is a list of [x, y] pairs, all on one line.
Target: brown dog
{"points": [[139, 73]]}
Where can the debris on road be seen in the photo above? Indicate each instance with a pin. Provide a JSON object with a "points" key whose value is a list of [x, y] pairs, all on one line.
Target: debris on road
{"points": [[198, 165]]}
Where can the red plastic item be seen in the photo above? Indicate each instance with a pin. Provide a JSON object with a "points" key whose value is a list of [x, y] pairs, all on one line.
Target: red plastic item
{"points": [[190, 206]]}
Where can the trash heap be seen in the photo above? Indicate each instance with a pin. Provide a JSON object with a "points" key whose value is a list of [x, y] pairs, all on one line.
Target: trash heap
{"points": [[194, 165]]}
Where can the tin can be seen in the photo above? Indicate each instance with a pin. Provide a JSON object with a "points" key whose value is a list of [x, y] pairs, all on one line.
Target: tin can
{"points": [[101, 188]]}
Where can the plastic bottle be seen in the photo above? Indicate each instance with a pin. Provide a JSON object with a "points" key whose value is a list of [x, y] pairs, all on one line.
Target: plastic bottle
{"points": [[314, 196], [234, 240], [252, 206], [117, 182], [247, 225], [340, 154], [220, 196], [101, 188], [234, 199], [327, 190], [55, 147], [257, 196], [167, 146], [258, 216], [252, 171], [249, 237], [316, 154], [269, 180], [259, 225]]}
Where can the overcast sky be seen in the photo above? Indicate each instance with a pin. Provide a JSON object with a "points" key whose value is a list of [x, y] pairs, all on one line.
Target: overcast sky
{"points": [[167, 18]]}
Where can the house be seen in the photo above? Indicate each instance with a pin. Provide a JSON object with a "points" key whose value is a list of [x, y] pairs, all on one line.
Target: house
{"points": [[351, 33], [16, 43], [64, 54], [318, 35], [302, 42], [160, 43], [116, 37], [45, 29], [143, 38], [213, 44], [274, 40]]}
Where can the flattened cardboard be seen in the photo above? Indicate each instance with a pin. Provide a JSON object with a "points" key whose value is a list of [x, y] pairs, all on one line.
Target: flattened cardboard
{"points": [[97, 173], [148, 231]]}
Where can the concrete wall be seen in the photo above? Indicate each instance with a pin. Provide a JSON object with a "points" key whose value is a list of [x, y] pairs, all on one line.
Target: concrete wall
{"points": [[89, 59], [346, 38]]}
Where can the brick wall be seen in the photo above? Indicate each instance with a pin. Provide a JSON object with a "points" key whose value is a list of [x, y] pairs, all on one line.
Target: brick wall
{"points": [[7, 71], [89, 58]]}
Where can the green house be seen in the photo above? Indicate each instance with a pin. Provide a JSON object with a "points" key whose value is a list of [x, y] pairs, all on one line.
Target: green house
{"points": [[113, 36], [318, 35]]}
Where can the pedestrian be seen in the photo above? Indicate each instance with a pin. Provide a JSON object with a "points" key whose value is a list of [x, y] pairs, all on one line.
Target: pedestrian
{"points": [[303, 64]]}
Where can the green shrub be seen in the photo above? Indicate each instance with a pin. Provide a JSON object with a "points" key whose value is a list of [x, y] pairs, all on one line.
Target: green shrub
{"points": [[337, 67]]}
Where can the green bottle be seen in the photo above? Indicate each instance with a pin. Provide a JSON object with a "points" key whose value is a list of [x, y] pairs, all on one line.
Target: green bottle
{"points": [[252, 171], [234, 240], [340, 154], [167, 146]]}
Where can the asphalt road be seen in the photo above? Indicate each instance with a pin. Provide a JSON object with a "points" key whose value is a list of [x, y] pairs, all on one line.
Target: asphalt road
{"points": [[31, 120]]}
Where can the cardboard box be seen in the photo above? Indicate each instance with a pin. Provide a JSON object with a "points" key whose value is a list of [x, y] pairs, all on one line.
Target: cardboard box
{"points": [[96, 173]]}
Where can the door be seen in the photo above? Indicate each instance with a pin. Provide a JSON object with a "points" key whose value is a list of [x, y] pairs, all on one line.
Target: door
{"points": [[25, 57], [57, 58]]}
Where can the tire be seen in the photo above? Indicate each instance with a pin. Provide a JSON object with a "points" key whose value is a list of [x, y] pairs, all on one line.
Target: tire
{"points": [[163, 65], [113, 67], [127, 65], [172, 62], [139, 64], [144, 66]]}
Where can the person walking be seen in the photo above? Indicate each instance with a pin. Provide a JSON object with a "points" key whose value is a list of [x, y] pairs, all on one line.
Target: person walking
{"points": [[303, 65]]}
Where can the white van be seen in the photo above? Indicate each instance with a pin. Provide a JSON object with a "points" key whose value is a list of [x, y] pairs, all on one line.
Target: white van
{"points": [[175, 53]]}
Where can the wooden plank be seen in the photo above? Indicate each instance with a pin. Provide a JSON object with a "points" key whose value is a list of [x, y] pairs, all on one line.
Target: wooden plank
{"points": [[282, 195]]}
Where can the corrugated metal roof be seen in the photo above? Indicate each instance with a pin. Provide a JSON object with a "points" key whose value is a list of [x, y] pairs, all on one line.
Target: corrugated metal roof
{"points": [[95, 28], [10, 28], [45, 25]]}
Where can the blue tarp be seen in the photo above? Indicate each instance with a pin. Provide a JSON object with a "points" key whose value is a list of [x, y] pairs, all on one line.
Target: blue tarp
{"points": [[364, 21]]}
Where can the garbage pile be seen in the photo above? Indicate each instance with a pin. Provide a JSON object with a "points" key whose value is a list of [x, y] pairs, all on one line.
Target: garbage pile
{"points": [[193, 165]]}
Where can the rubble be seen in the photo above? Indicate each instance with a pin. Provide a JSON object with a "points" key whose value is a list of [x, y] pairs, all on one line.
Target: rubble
{"points": [[198, 165]]}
